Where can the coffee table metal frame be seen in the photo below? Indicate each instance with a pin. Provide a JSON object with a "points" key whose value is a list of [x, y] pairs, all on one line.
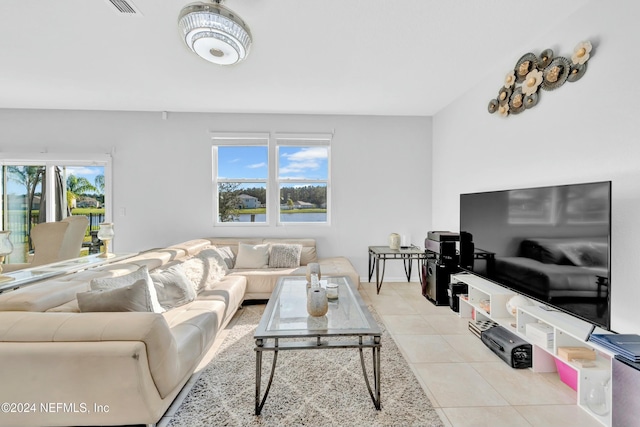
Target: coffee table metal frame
{"points": [[384, 253], [358, 323]]}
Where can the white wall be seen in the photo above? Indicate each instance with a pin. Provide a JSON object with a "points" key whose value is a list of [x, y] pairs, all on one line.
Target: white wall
{"points": [[583, 131], [381, 177]]}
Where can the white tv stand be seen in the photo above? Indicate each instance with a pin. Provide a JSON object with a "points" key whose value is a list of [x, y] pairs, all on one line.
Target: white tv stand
{"points": [[488, 301]]}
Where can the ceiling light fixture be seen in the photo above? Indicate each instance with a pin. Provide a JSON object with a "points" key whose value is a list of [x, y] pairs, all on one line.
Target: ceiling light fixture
{"points": [[215, 33]]}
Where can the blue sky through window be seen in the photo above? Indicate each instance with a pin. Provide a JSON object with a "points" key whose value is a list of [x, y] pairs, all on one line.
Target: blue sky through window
{"points": [[88, 172], [245, 162], [303, 162], [251, 162]]}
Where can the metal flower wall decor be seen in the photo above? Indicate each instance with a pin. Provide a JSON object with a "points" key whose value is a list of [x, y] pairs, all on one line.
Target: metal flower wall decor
{"points": [[531, 73]]}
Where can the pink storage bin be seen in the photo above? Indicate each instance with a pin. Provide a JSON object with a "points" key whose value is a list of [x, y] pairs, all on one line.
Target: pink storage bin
{"points": [[568, 375]]}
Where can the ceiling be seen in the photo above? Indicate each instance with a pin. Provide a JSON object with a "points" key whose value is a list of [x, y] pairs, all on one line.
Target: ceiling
{"points": [[370, 57]]}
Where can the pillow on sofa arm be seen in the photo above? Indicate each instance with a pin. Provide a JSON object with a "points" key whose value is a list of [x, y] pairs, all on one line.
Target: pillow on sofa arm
{"points": [[173, 287], [109, 283], [205, 268], [134, 297], [587, 254], [284, 255], [227, 255], [252, 256]]}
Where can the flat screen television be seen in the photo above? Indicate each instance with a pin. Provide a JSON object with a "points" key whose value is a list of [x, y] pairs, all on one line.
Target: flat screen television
{"points": [[551, 244]]}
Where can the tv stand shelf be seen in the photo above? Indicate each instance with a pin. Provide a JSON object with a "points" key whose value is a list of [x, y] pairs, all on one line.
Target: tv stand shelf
{"points": [[488, 301]]}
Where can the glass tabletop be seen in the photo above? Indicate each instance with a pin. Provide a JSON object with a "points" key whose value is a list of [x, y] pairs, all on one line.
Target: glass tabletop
{"points": [[286, 313], [386, 250]]}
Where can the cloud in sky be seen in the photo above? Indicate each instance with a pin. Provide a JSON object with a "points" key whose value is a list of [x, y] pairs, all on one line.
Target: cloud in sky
{"points": [[257, 165], [303, 159]]}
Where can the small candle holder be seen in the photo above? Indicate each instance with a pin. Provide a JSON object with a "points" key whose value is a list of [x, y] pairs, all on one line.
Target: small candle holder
{"points": [[105, 234], [332, 291]]}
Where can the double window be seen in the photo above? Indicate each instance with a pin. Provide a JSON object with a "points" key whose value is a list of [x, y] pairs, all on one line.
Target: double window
{"points": [[262, 179]]}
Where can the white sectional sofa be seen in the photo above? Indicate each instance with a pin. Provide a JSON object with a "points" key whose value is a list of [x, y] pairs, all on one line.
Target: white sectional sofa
{"points": [[60, 365]]}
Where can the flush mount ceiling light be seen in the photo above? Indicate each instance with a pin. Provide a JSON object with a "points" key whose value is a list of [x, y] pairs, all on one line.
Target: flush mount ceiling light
{"points": [[215, 33]]}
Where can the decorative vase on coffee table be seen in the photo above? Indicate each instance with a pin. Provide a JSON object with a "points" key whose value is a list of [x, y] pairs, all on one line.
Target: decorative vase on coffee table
{"points": [[317, 304]]}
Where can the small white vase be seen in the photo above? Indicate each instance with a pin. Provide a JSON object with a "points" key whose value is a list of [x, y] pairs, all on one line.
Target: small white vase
{"points": [[394, 241], [317, 304]]}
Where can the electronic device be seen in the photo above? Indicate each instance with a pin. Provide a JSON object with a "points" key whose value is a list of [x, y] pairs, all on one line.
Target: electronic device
{"points": [[442, 260], [548, 243], [456, 289], [513, 350]]}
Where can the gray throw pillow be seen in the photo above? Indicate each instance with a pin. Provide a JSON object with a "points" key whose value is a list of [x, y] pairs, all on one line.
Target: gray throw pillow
{"points": [[108, 283], [284, 255], [173, 287], [133, 297]]}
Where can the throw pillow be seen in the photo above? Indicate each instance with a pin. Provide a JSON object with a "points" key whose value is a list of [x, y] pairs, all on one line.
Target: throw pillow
{"points": [[205, 268], [173, 287], [285, 256], [227, 255], [133, 297], [252, 256], [108, 283]]}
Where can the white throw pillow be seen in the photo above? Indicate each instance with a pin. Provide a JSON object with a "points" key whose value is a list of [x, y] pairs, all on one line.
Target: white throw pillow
{"points": [[252, 256], [108, 283]]}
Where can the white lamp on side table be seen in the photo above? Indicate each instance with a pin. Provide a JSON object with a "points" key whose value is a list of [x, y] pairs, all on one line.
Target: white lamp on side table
{"points": [[105, 234], [5, 249]]}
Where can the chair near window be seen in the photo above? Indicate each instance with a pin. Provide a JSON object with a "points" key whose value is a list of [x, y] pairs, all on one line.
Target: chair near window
{"points": [[54, 242]]}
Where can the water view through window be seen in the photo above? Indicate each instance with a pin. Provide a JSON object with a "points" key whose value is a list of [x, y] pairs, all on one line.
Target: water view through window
{"points": [[243, 183]]}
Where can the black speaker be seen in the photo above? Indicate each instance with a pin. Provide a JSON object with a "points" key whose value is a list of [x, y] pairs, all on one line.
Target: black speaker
{"points": [[437, 287], [448, 256], [466, 251]]}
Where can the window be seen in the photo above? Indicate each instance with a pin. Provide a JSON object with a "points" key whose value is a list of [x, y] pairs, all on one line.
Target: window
{"points": [[303, 180], [43, 189], [258, 177], [241, 178]]}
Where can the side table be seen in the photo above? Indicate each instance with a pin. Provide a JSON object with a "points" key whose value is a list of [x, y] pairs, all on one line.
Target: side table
{"points": [[384, 253]]}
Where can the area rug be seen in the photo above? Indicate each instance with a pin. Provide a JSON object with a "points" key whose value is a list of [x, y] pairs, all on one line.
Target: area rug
{"points": [[310, 388]]}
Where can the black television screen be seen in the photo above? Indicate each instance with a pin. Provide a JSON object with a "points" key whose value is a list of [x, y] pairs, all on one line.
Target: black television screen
{"points": [[548, 243]]}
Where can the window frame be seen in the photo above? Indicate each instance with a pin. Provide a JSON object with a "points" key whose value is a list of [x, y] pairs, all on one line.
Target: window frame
{"points": [[51, 160], [253, 139], [303, 140], [272, 140]]}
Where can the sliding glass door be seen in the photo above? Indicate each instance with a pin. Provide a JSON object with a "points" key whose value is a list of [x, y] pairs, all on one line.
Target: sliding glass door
{"points": [[46, 191]]}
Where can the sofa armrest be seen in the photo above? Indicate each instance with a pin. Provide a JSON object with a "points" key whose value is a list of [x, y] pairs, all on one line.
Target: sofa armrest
{"points": [[148, 328]]}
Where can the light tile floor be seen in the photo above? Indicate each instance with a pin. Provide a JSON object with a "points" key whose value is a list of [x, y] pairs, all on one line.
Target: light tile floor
{"points": [[467, 384]]}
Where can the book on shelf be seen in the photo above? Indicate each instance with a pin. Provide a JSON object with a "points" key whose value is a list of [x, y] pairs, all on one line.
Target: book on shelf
{"points": [[626, 345]]}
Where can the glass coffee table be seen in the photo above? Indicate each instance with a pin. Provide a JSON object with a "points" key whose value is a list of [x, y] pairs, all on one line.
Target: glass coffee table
{"points": [[286, 325]]}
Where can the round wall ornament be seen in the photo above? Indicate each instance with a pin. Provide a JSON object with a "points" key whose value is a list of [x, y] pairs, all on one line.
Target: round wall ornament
{"points": [[556, 73], [526, 63]]}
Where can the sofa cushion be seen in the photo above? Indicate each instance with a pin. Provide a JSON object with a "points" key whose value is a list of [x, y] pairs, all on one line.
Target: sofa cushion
{"points": [[134, 297], [252, 256], [128, 279], [173, 286], [284, 255]]}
